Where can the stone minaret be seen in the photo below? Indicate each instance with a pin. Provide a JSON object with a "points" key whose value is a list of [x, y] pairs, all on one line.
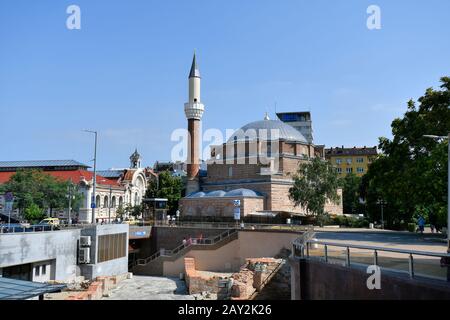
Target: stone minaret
{"points": [[194, 111]]}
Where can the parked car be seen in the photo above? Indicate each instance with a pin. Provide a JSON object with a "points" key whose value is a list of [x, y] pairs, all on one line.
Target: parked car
{"points": [[50, 221]]}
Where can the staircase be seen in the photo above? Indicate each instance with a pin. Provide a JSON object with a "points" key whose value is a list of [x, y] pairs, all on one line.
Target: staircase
{"points": [[153, 265]]}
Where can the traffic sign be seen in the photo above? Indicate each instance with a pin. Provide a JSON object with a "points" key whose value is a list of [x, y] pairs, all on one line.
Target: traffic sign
{"points": [[237, 213]]}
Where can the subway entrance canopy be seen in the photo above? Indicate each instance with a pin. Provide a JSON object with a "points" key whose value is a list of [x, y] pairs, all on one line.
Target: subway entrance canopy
{"points": [[12, 289]]}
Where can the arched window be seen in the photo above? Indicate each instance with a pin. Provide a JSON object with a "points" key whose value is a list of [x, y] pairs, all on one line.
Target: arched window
{"points": [[113, 202], [136, 199], [105, 202], [120, 201], [97, 201]]}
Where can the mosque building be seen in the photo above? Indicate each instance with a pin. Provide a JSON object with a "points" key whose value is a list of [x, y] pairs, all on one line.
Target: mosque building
{"points": [[255, 166]]}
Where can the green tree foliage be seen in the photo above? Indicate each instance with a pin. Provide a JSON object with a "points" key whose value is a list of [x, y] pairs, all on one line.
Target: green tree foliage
{"points": [[167, 186], [411, 173], [34, 188], [315, 182], [33, 213], [351, 185]]}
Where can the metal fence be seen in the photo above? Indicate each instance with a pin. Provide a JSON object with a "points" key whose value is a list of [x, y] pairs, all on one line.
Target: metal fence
{"points": [[225, 225], [358, 255]]}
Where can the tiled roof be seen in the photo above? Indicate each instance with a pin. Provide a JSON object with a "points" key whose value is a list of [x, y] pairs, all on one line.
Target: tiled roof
{"points": [[75, 175], [41, 163], [370, 151]]}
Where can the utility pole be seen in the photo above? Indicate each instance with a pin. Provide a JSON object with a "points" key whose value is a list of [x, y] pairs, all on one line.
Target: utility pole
{"points": [[110, 203], [381, 202], [70, 201], [93, 199]]}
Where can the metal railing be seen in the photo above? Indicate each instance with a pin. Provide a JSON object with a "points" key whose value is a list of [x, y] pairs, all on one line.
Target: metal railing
{"points": [[302, 249], [189, 243], [24, 228], [225, 225]]}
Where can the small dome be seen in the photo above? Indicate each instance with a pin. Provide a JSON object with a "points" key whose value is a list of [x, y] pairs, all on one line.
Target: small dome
{"points": [[242, 193], [217, 193], [264, 129]]}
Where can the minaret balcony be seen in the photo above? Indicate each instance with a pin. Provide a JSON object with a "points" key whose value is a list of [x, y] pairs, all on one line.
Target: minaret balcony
{"points": [[194, 110]]}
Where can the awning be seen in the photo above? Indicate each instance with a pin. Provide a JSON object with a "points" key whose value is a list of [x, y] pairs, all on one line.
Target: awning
{"points": [[12, 289]]}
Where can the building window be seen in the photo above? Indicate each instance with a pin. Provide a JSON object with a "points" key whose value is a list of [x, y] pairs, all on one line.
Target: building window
{"points": [[36, 271], [349, 170], [360, 170], [113, 202], [359, 160], [339, 170], [105, 202], [112, 246], [338, 160], [44, 269], [230, 171], [97, 201], [349, 160]]}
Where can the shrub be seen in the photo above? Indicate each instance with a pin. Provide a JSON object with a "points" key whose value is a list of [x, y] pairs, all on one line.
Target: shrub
{"points": [[412, 227]]}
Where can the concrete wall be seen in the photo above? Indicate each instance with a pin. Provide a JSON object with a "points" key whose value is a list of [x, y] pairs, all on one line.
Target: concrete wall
{"points": [[107, 268], [59, 246], [230, 257], [315, 280]]}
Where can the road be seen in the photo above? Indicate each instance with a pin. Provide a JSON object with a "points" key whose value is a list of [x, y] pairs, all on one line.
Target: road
{"points": [[401, 240]]}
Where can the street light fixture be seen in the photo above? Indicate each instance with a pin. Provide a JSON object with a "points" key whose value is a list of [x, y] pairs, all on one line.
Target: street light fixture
{"points": [[93, 204], [448, 186]]}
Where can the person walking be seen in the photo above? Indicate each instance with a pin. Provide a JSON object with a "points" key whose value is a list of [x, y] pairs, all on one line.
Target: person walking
{"points": [[421, 223]]}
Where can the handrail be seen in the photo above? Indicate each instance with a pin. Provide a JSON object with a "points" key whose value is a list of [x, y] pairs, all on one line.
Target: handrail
{"points": [[197, 241], [246, 226], [268, 278], [367, 247], [300, 246]]}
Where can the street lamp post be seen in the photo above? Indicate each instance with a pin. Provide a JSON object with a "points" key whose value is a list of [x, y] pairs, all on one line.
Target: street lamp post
{"points": [[110, 203], [448, 184], [93, 204], [381, 202]]}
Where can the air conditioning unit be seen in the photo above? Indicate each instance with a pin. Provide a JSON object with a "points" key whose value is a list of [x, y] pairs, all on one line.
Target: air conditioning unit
{"points": [[84, 255], [85, 241]]}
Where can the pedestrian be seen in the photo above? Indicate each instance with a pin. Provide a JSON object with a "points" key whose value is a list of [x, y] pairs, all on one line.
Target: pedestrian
{"points": [[432, 228], [421, 223], [184, 241]]}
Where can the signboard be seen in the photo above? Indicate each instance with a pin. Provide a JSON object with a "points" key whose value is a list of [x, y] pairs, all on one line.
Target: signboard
{"points": [[237, 213], [9, 197], [93, 205]]}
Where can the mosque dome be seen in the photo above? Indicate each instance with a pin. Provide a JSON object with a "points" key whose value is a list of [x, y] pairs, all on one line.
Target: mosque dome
{"points": [[242, 192], [263, 130]]}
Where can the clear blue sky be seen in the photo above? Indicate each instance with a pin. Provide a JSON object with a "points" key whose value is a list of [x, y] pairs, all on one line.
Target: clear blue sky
{"points": [[125, 72]]}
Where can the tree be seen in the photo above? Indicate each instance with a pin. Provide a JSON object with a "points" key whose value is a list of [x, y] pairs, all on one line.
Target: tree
{"points": [[411, 173], [315, 183], [34, 187], [34, 213], [167, 186], [351, 185]]}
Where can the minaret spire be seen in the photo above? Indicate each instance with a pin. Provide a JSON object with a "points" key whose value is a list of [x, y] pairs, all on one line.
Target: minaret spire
{"points": [[195, 72], [193, 110]]}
